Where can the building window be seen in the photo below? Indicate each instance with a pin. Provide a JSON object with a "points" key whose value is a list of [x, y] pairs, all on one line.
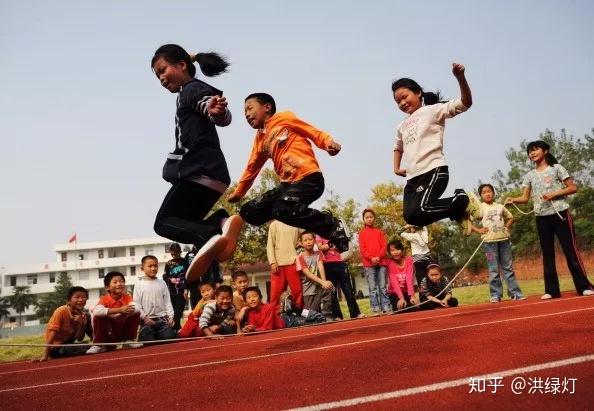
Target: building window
{"points": [[99, 253], [132, 270], [13, 280], [32, 279], [81, 257], [148, 251], [101, 272], [52, 277], [64, 256], [132, 251], [83, 275]]}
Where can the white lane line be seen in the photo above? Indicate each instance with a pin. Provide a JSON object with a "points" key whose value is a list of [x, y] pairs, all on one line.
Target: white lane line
{"points": [[398, 318], [288, 352], [443, 385]]}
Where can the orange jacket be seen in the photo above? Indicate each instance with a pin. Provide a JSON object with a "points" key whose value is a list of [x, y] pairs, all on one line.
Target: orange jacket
{"points": [[285, 139]]}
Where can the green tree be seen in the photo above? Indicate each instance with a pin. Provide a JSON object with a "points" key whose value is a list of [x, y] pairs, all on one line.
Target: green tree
{"points": [[4, 306], [386, 202], [21, 299], [347, 210], [47, 304]]}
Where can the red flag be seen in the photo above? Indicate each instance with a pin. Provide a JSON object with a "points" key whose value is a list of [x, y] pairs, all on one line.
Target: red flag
{"points": [[72, 239]]}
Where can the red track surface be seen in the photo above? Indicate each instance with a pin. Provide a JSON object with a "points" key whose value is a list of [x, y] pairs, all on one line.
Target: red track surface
{"points": [[336, 362]]}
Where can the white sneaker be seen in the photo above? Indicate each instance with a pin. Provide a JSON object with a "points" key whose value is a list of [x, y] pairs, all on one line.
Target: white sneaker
{"points": [[588, 292], [205, 256], [231, 229], [546, 297], [95, 349], [131, 344]]}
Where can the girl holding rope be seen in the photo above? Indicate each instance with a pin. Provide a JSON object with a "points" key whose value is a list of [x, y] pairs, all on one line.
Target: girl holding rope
{"points": [[548, 185]]}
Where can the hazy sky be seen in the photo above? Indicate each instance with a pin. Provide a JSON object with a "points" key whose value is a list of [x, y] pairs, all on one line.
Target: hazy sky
{"points": [[85, 125]]}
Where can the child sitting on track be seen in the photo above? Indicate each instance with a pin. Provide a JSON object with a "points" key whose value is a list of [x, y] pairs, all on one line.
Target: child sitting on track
{"points": [[264, 317], [152, 299], [434, 288], [67, 325], [115, 317], [400, 277], [191, 327], [218, 316], [240, 282]]}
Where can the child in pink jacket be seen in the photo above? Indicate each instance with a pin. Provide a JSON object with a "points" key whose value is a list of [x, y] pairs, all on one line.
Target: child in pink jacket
{"points": [[401, 288]]}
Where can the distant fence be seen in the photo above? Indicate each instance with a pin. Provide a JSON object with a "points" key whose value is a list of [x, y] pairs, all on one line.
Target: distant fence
{"points": [[22, 331]]}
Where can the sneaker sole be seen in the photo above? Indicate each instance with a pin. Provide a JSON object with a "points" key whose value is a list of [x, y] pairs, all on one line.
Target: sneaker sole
{"points": [[231, 230], [201, 263]]}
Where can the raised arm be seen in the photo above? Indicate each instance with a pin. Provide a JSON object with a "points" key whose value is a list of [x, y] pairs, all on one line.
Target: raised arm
{"points": [[465, 94]]}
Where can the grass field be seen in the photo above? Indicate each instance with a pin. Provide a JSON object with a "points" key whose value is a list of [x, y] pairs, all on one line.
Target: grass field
{"points": [[466, 295]]}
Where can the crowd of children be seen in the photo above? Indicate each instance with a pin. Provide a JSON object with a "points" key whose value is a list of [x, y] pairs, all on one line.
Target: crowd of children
{"points": [[198, 172]]}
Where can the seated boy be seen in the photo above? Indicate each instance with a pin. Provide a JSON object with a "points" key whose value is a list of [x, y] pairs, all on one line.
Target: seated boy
{"points": [[435, 286], [240, 282], [317, 291], [264, 317], [191, 327], [115, 317], [67, 325], [218, 317], [152, 298]]}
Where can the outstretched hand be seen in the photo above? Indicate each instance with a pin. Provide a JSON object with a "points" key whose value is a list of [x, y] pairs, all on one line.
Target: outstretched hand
{"points": [[217, 106]]}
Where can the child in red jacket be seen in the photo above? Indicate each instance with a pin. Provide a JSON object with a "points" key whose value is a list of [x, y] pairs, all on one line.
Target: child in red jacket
{"points": [[372, 245]]}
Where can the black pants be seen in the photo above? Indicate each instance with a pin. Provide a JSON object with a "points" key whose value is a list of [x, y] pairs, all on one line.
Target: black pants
{"points": [[179, 305], [394, 299], [420, 273], [61, 352], [289, 203], [422, 205], [549, 226], [337, 273], [430, 305], [181, 216]]}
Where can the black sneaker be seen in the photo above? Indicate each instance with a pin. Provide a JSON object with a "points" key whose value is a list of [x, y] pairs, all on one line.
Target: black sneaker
{"points": [[459, 204], [341, 236]]}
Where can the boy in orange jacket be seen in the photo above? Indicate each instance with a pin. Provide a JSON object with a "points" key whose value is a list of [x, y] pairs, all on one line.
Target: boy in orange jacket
{"points": [[286, 140]]}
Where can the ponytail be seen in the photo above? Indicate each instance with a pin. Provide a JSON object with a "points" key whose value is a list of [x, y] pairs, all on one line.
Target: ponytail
{"points": [[550, 159], [211, 63], [429, 98]]}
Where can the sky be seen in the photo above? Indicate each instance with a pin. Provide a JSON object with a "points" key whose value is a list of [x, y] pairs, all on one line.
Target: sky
{"points": [[85, 126]]}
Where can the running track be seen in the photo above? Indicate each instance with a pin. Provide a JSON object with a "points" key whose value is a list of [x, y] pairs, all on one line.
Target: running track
{"points": [[413, 361]]}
